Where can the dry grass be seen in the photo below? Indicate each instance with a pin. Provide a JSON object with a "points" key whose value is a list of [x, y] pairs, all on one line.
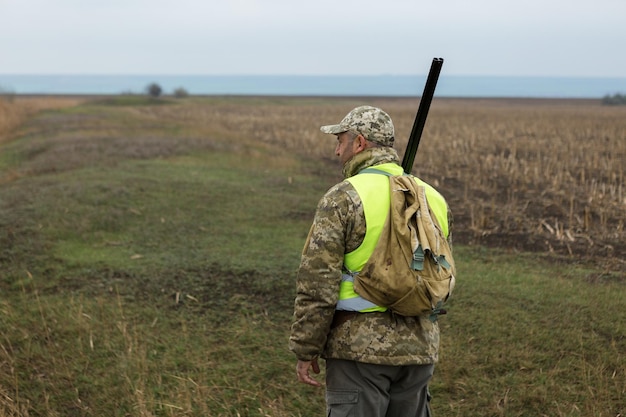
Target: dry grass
{"points": [[541, 175], [197, 323], [16, 110]]}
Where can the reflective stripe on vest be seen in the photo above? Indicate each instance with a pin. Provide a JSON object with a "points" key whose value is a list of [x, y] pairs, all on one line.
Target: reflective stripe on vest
{"points": [[351, 301]]}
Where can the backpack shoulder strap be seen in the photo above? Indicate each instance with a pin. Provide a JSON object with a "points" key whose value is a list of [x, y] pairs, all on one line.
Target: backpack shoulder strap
{"points": [[374, 171]]}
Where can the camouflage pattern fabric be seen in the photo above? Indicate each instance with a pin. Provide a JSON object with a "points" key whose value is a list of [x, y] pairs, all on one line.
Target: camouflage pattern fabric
{"points": [[378, 338], [374, 124]]}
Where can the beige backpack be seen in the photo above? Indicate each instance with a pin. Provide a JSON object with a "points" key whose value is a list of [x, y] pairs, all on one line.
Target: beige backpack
{"points": [[411, 270]]}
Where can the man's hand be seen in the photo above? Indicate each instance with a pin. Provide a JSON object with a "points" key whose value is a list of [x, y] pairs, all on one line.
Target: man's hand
{"points": [[302, 368]]}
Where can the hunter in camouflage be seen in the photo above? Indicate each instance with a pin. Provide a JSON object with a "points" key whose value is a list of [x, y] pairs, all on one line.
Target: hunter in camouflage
{"points": [[365, 138], [380, 338]]}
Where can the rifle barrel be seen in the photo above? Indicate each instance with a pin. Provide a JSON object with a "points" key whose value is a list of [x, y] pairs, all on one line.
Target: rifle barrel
{"points": [[422, 113]]}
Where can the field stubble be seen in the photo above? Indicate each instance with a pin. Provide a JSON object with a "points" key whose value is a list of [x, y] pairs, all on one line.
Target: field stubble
{"points": [[545, 176], [16, 110], [115, 307]]}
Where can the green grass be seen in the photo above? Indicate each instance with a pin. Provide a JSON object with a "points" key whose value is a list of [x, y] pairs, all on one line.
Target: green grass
{"points": [[132, 100], [161, 283], [526, 337]]}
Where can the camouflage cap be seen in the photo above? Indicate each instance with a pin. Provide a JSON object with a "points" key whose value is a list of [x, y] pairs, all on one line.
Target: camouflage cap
{"points": [[371, 122]]}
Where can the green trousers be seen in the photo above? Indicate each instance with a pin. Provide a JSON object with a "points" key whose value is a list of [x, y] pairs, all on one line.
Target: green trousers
{"points": [[356, 389]]}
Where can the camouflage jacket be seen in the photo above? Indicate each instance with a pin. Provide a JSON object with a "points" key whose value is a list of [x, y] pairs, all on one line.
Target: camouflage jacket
{"points": [[379, 338]]}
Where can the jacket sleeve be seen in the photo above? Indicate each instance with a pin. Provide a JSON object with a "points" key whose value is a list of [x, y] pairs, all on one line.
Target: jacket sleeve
{"points": [[319, 275]]}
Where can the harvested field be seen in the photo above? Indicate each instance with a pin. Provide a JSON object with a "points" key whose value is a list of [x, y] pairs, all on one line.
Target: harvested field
{"points": [[545, 176], [148, 250], [16, 110]]}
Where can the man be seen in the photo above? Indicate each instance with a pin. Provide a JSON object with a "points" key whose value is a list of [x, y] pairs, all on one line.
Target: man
{"points": [[377, 363]]}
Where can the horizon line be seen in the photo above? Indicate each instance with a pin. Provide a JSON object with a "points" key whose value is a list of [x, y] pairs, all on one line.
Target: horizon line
{"points": [[69, 74]]}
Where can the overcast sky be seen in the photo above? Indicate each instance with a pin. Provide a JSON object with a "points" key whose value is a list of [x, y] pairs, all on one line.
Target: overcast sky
{"points": [[475, 37]]}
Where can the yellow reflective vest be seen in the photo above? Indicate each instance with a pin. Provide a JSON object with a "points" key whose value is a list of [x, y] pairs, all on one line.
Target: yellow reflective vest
{"points": [[373, 189]]}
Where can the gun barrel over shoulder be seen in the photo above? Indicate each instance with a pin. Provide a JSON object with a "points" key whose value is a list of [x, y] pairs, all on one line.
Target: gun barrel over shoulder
{"points": [[422, 113]]}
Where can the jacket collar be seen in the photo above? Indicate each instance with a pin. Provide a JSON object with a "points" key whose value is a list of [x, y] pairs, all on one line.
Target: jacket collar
{"points": [[368, 158]]}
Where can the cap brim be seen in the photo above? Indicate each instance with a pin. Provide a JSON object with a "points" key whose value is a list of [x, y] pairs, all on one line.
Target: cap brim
{"points": [[333, 129]]}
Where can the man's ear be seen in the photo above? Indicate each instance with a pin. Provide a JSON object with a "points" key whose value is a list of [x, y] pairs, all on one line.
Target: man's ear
{"points": [[361, 143]]}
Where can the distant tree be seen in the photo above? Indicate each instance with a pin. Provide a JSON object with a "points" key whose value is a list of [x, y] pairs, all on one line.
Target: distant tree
{"points": [[614, 100], [180, 92], [154, 90]]}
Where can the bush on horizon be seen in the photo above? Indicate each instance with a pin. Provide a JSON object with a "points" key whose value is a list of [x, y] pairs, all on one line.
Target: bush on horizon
{"points": [[181, 92], [614, 100], [154, 90]]}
